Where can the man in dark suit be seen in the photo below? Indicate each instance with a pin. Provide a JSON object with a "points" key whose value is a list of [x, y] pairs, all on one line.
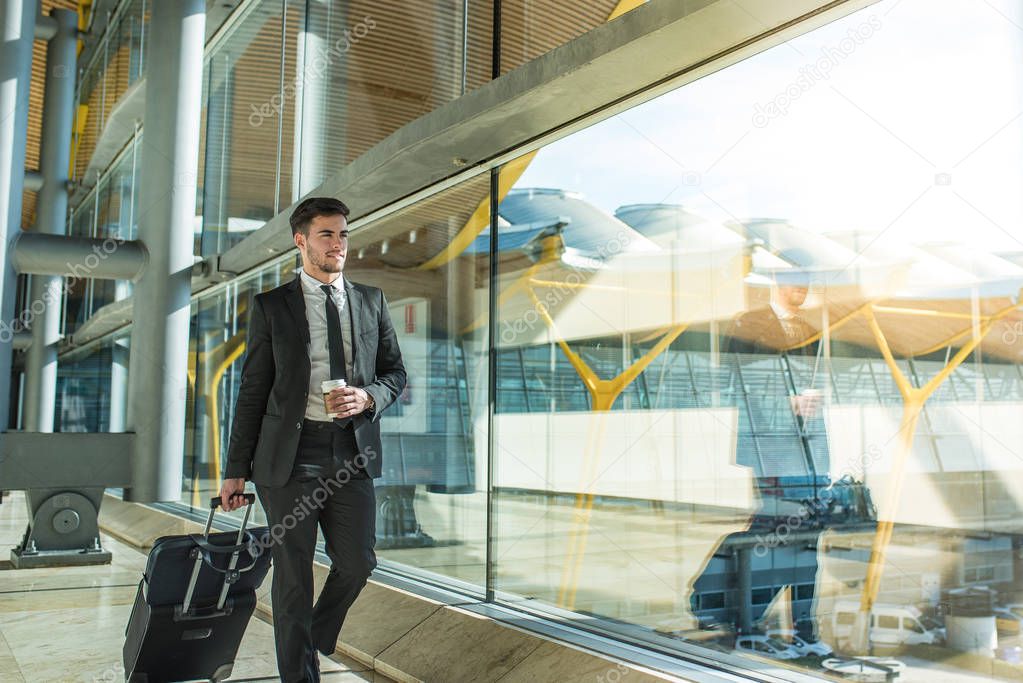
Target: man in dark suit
{"points": [[774, 353], [312, 469]]}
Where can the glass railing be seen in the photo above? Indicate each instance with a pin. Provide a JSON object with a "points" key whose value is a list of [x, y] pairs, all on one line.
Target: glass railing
{"points": [[118, 61]]}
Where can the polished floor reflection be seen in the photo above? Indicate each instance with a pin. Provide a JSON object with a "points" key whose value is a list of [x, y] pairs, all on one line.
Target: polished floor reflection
{"points": [[67, 623]]}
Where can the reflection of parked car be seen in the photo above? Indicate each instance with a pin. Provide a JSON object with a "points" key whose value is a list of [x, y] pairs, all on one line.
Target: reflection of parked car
{"points": [[804, 648], [889, 624], [766, 646]]}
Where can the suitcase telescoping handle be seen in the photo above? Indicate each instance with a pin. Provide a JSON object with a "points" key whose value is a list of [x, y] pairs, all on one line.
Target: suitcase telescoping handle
{"points": [[250, 500]]}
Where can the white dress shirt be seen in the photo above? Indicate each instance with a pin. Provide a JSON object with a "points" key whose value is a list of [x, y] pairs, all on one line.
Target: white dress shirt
{"points": [[789, 322], [319, 354]]}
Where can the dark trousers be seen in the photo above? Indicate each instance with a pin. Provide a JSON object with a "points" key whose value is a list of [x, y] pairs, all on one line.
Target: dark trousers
{"points": [[322, 494]]}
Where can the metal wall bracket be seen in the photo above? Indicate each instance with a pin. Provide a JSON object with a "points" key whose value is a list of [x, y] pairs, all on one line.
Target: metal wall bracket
{"points": [[63, 529], [64, 476]]}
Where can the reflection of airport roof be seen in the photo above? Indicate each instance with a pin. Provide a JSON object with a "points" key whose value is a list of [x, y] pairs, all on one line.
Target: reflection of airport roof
{"points": [[782, 250], [995, 275], [511, 237], [777, 236], [585, 228], [938, 271], [672, 223]]}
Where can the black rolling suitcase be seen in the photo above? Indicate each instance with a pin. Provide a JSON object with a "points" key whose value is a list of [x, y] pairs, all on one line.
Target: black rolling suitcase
{"points": [[194, 602]]}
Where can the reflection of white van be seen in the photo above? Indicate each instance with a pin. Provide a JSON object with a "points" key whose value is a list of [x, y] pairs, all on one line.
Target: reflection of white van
{"points": [[889, 624]]}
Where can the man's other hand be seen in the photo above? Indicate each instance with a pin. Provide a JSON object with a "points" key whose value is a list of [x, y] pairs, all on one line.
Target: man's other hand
{"points": [[231, 494]]}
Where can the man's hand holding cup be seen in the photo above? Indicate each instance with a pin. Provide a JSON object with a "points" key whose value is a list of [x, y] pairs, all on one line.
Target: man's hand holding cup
{"points": [[341, 400], [807, 403]]}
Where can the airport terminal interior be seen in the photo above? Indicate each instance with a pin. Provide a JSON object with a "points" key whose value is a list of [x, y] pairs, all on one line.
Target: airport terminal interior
{"points": [[711, 311]]}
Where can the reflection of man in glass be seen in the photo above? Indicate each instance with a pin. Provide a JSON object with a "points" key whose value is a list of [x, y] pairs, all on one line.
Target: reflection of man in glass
{"points": [[774, 356]]}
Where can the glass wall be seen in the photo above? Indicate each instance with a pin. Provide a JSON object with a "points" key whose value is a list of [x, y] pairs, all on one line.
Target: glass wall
{"points": [[758, 353], [92, 387], [751, 374], [431, 500], [298, 89], [242, 161], [757, 368], [117, 63], [109, 210]]}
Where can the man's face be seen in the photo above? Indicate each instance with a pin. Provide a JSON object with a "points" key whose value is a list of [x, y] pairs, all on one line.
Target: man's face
{"points": [[792, 296], [324, 250]]}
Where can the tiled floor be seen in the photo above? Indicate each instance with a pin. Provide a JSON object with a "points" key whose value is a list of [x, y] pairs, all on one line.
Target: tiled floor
{"points": [[67, 624]]}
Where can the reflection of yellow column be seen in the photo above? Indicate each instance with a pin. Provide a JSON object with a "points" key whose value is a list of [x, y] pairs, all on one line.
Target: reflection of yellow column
{"points": [[582, 511], [603, 393], [480, 218], [222, 356], [914, 399], [623, 7], [232, 350], [550, 252]]}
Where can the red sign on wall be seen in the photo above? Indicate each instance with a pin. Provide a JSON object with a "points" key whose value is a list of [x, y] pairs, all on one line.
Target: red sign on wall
{"points": [[410, 318]]}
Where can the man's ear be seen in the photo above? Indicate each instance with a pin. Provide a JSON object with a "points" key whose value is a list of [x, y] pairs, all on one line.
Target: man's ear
{"points": [[299, 240]]}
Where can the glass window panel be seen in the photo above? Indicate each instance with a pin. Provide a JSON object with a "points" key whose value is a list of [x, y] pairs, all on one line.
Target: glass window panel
{"points": [[92, 388], [360, 70], [242, 110], [765, 288]]}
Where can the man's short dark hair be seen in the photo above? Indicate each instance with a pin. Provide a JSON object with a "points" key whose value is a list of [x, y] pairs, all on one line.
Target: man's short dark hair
{"points": [[310, 208]]}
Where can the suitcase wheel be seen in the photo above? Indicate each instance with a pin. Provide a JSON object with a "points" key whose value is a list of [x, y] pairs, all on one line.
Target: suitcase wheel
{"points": [[222, 673]]}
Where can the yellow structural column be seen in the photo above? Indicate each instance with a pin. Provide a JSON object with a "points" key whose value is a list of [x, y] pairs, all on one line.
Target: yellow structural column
{"points": [[914, 399], [603, 394]]}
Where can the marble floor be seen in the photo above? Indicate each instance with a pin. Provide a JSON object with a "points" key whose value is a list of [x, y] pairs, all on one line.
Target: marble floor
{"points": [[67, 624]]}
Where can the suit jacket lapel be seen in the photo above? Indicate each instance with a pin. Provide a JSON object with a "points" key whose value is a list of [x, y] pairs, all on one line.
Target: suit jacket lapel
{"points": [[355, 310], [296, 304]]}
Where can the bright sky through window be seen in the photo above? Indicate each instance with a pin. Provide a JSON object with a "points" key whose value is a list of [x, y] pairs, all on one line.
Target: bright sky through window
{"points": [[904, 117]]}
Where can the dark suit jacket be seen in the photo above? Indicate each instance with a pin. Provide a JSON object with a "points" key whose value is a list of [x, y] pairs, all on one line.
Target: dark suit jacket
{"points": [[275, 380], [760, 332]]}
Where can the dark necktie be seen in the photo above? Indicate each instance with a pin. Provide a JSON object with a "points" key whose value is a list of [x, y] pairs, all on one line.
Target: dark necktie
{"points": [[335, 346]]}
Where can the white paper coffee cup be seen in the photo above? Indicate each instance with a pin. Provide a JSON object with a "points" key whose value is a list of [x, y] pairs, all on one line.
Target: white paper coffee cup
{"points": [[327, 386]]}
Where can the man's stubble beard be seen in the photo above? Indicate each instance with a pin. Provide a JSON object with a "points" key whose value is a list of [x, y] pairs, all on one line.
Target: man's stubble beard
{"points": [[326, 265]]}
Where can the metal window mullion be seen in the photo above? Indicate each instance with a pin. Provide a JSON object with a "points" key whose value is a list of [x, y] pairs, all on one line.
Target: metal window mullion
{"points": [[134, 179], [753, 431], [142, 39], [222, 219], [495, 67], [522, 373], [489, 568], [280, 114], [103, 83], [465, 44]]}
